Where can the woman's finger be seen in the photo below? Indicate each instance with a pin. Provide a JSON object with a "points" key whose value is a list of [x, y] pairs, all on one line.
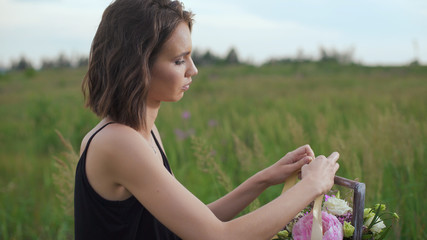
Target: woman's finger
{"points": [[336, 167], [302, 162], [301, 151], [309, 151], [334, 156]]}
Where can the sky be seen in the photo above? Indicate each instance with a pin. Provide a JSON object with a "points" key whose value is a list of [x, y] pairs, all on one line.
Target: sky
{"points": [[378, 32]]}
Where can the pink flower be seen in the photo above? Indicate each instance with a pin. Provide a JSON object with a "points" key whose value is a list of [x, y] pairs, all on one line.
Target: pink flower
{"points": [[212, 123], [186, 115], [182, 134], [332, 228]]}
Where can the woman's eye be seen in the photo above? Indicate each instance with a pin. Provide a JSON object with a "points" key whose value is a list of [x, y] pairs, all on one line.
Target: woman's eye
{"points": [[179, 62]]}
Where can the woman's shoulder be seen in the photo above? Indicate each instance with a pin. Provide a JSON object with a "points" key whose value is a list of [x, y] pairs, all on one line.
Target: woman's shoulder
{"points": [[111, 136], [114, 150]]}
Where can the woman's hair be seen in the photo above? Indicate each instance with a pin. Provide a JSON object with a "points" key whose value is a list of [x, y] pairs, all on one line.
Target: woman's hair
{"points": [[128, 39]]}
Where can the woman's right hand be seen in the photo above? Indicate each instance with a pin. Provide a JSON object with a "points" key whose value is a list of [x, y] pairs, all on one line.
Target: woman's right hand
{"points": [[321, 172]]}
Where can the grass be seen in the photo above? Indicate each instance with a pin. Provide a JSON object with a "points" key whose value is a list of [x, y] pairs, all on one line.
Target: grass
{"points": [[243, 118]]}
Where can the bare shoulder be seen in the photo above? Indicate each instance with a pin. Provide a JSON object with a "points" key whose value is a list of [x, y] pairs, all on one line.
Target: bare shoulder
{"points": [[110, 135], [116, 139], [114, 153]]}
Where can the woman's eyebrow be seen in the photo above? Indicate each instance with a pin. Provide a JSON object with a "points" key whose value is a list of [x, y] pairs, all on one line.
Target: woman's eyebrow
{"points": [[183, 54]]}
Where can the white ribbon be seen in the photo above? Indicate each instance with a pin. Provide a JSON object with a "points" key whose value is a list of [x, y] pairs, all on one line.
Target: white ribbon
{"points": [[316, 229]]}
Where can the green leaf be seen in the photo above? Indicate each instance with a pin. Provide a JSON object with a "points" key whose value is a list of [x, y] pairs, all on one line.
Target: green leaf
{"points": [[384, 233], [367, 236]]}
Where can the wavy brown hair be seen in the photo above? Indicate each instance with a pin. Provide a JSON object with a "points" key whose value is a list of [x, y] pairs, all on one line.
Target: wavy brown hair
{"points": [[128, 39]]}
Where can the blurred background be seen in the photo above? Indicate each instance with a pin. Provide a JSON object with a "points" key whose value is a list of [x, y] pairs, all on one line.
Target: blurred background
{"points": [[347, 76]]}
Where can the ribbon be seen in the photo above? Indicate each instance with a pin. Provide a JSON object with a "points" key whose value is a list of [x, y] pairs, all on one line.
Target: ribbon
{"points": [[316, 229]]}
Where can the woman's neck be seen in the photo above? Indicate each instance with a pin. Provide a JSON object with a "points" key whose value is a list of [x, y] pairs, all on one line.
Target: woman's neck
{"points": [[150, 118]]}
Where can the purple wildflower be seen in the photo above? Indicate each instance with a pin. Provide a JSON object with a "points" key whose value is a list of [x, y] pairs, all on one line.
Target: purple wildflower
{"points": [[186, 115], [346, 217], [212, 123], [180, 134]]}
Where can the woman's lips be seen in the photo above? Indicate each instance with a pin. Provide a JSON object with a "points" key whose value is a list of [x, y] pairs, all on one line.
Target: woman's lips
{"points": [[186, 86]]}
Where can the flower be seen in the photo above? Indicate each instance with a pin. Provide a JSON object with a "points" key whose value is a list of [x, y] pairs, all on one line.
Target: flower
{"points": [[182, 134], [186, 115], [327, 197], [381, 206], [336, 206], [346, 217], [337, 225], [368, 213], [332, 228], [212, 123], [283, 234], [377, 227], [291, 224], [396, 216], [348, 229]]}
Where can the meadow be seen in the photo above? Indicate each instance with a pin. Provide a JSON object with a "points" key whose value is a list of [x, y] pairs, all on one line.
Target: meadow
{"points": [[233, 121]]}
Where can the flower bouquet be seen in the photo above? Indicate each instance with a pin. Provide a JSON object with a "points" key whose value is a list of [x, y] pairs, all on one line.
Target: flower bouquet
{"points": [[339, 220]]}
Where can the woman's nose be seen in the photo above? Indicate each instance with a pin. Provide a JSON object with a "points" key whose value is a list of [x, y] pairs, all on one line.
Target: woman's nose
{"points": [[192, 70]]}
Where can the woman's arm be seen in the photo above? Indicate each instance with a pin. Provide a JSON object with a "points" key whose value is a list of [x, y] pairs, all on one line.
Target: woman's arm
{"points": [[131, 163], [227, 207]]}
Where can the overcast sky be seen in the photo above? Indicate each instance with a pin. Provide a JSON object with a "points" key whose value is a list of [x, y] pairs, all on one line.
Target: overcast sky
{"points": [[379, 31]]}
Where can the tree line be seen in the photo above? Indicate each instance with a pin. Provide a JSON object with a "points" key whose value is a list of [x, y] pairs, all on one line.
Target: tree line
{"points": [[200, 58]]}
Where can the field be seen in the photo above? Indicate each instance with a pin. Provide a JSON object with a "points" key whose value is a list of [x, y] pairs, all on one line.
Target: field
{"points": [[233, 121]]}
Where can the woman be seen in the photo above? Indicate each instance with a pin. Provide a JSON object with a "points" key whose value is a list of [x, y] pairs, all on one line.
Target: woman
{"points": [[140, 57]]}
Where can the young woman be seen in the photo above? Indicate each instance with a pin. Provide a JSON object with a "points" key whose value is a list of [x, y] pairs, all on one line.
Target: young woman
{"points": [[124, 189]]}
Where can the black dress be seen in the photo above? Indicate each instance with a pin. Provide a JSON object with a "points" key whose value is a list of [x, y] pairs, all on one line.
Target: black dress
{"points": [[98, 218]]}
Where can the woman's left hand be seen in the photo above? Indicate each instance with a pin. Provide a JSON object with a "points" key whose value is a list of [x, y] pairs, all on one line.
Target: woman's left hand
{"points": [[291, 162]]}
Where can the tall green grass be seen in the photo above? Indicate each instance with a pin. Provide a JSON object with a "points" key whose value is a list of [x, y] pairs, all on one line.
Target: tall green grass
{"points": [[242, 117]]}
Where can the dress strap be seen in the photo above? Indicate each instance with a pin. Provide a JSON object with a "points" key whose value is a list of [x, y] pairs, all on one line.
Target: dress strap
{"points": [[97, 131], [165, 159]]}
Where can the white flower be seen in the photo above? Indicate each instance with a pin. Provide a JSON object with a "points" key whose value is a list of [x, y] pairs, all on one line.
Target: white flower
{"points": [[377, 227], [336, 206]]}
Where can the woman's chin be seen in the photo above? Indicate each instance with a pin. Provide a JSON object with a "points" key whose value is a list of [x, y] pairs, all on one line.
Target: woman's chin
{"points": [[175, 98]]}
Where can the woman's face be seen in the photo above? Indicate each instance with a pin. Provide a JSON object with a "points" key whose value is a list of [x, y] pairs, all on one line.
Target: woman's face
{"points": [[173, 68]]}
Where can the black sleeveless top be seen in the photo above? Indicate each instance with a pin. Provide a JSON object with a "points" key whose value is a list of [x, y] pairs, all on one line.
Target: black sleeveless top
{"points": [[98, 218]]}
